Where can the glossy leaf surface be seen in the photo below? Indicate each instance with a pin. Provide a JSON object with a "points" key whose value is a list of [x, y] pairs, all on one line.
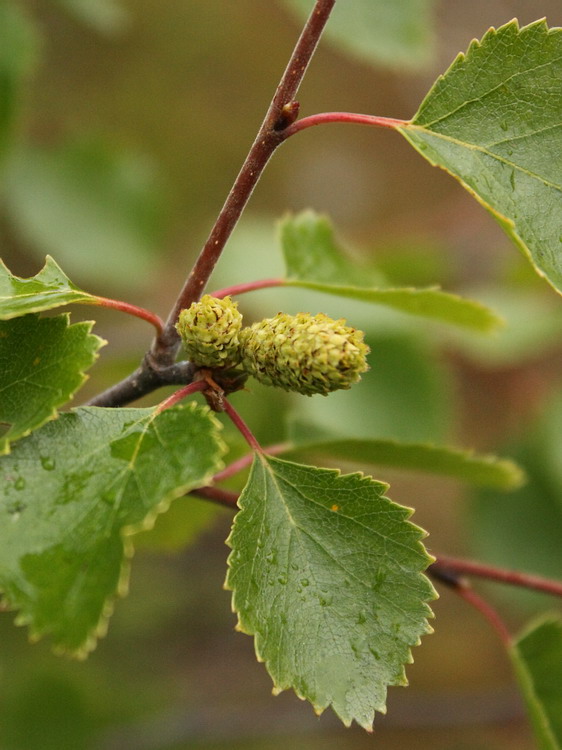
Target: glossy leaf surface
{"points": [[42, 365], [494, 121], [327, 574], [73, 493]]}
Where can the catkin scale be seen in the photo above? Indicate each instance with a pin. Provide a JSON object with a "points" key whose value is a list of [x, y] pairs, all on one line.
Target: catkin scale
{"points": [[209, 330], [304, 353]]}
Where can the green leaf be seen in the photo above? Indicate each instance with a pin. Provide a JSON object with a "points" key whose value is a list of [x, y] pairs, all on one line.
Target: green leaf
{"points": [[396, 34], [18, 48], [314, 261], [327, 574], [46, 290], [72, 495], [95, 208], [494, 121], [106, 16], [537, 657], [43, 364], [487, 471]]}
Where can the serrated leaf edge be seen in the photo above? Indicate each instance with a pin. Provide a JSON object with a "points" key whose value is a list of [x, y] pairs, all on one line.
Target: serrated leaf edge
{"points": [[402, 680], [100, 629], [88, 324], [50, 263], [507, 224]]}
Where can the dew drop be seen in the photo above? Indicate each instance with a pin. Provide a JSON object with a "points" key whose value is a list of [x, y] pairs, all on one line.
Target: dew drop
{"points": [[361, 618], [325, 601], [305, 582], [19, 483], [47, 463], [282, 580], [504, 125]]}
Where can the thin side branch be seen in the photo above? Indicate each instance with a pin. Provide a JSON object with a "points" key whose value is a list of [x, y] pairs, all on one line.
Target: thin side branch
{"points": [[462, 587], [138, 312], [216, 495], [251, 286], [242, 427], [243, 463], [324, 118], [457, 566]]}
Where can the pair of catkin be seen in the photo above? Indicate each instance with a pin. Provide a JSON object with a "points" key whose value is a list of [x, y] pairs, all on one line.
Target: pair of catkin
{"points": [[304, 353]]}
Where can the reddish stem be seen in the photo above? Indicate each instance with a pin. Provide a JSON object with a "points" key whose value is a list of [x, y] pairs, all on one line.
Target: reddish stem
{"points": [[280, 114], [188, 390], [242, 427], [251, 286], [462, 587], [490, 572], [486, 609], [246, 460], [222, 497], [138, 312], [323, 118]]}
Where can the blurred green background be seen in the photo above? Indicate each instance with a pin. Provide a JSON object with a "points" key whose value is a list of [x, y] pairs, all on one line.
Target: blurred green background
{"points": [[122, 127]]}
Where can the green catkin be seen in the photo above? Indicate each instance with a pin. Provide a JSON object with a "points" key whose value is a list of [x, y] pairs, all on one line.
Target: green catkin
{"points": [[209, 330], [304, 353]]}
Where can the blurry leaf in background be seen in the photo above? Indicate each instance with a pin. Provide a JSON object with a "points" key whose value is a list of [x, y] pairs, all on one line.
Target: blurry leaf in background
{"points": [[403, 396], [48, 712], [393, 34], [483, 470], [43, 362], [537, 657], [533, 326], [106, 16], [523, 530], [416, 260], [97, 210], [18, 52], [326, 572], [315, 261], [494, 121], [312, 251]]}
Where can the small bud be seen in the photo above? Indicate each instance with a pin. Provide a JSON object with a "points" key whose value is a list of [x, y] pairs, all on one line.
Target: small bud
{"points": [[304, 353], [209, 330]]}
